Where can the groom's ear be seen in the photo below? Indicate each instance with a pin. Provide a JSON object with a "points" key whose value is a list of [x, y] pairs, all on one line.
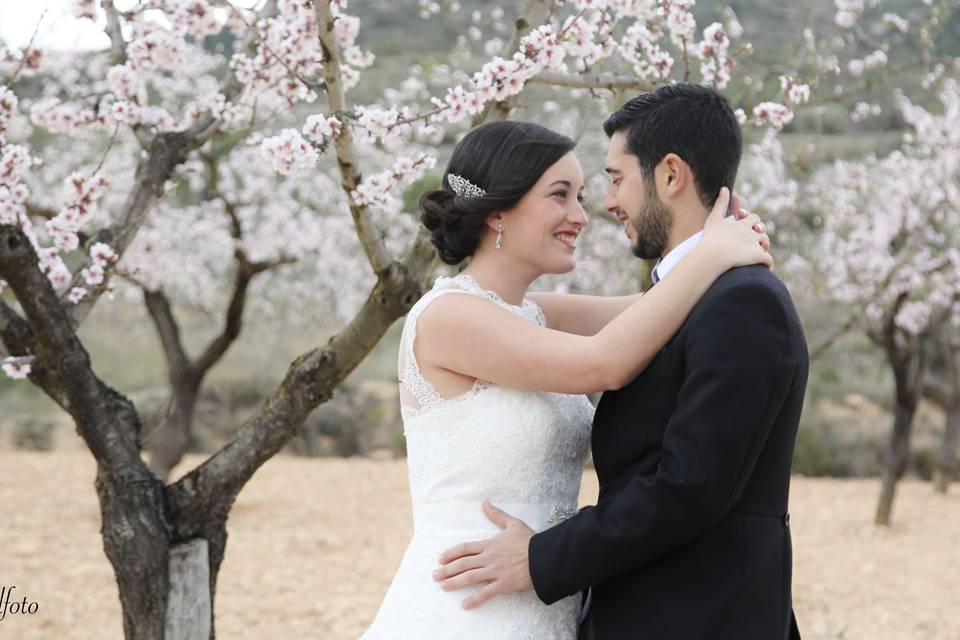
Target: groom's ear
{"points": [[673, 175]]}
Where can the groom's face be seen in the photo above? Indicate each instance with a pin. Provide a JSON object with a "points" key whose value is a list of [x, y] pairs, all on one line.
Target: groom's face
{"points": [[633, 198]]}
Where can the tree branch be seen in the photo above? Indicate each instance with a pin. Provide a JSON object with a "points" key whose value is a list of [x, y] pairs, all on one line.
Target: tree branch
{"points": [[595, 81], [118, 47], [66, 373], [309, 382], [233, 324], [158, 306], [26, 51], [868, 84], [535, 13], [370, 237], [167, 150], [828, 342], [39, 212]]}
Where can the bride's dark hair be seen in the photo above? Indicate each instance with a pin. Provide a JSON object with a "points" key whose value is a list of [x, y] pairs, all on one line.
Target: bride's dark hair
{"points": [[505, 159]]}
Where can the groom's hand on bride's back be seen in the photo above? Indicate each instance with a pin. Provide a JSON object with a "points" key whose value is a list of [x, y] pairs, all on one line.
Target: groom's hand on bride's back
{"points": [[501, 562]]}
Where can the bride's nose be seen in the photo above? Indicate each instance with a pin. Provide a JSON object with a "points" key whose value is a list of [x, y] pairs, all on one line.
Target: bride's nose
{"points": [[578, 215]]}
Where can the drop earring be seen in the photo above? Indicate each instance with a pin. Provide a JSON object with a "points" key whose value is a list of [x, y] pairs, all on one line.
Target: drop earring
{"points": [[499, 236]]}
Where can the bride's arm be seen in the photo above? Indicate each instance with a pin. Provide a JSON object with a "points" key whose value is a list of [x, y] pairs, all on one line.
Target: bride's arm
{"points": [[585, 315], [472, 337], [581, 314]]}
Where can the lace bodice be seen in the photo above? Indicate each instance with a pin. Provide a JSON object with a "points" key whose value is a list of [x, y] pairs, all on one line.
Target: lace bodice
{"points": [[416, 393], [517, 445], [523, 450]]}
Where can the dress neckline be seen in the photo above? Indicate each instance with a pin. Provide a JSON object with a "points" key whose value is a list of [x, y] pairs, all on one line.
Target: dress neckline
{"points": [[472, 283]]}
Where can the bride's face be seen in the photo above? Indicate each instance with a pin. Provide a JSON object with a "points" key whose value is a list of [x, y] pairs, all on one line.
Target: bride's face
{"points": [[542, 229]]}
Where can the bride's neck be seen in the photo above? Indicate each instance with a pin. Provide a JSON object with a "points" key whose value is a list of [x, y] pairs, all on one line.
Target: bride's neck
{"points": [[495, 274]]}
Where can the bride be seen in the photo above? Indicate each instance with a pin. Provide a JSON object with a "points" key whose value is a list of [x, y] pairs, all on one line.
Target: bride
{"points": [[492, 378]]}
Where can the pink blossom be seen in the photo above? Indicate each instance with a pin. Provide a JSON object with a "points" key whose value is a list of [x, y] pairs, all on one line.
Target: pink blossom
{"points": [[126, 84], [93, 274], [76, 294], [8, 106], [85, 9], [319, 129], [375, 189], [900, 24], [774, 113], [289, 152], [16, 370], [15, 161], [102, 254], [680, 21]]}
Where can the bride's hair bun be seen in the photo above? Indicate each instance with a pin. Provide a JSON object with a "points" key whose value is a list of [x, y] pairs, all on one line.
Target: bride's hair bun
{"points": [[454, 230], [504, 159]]}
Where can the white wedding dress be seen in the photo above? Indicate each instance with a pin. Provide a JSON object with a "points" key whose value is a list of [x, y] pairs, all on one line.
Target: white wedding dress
{"points": [[524, 450]]}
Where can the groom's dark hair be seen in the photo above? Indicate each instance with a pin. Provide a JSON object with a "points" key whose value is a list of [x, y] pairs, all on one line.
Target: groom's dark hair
{"points": [[691, 120]]}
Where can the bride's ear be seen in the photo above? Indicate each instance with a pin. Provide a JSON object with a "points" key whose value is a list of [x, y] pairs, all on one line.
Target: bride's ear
{"points": [[495, 221]]}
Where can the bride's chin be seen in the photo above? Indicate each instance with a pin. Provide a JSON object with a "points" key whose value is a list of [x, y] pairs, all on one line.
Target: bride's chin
{"points": [[561, 268]]}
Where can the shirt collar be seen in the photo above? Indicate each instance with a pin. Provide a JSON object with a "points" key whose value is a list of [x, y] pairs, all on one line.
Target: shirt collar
{"points": [[668, 262]]}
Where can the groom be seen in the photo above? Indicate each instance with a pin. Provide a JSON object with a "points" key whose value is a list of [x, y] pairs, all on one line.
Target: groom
{"points": [[690, 536]]}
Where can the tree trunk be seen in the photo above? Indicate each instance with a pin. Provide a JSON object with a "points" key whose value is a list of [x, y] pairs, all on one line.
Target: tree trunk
{"points": [[136, 541], [170, 440], [906, 359], [947, 458], [895, 460]]}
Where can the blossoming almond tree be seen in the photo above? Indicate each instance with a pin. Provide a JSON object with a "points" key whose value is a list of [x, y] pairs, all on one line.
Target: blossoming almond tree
{"points": [[941, 385], [157, 101], [889, 251]]}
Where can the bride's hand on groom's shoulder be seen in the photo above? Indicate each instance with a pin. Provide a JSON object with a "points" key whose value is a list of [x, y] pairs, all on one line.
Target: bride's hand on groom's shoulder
{"points": [[501, 562], [735, 242], [739, 213]]}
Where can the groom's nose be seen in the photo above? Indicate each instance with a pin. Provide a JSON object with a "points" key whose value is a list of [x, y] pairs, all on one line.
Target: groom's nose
{"points": [[610, 204]]}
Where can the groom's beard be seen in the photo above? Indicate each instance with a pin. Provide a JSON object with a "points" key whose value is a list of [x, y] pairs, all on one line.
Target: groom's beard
{"points": [[651, 226]]}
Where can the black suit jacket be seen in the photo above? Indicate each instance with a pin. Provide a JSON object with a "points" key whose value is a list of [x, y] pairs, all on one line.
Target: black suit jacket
{"points": [[690, 536]]}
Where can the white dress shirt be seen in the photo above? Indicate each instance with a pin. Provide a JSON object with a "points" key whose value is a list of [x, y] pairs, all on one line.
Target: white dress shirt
{"points": [[668, 262]]}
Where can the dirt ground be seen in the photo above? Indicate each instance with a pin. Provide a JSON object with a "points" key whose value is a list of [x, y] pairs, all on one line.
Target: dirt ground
{"points": [[314, 542]]}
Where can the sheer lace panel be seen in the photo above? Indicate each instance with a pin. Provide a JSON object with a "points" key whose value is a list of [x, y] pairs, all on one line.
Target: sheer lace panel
{"points": [[416, 392]]}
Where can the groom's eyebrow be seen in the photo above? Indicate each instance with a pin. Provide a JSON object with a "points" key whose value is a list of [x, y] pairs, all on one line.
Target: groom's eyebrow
{"points": [[612, 171]]}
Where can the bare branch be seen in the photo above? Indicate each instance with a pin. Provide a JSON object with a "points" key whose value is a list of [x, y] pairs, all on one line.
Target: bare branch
{"points": [[161, 313], [118, 47], [26, 51], [40, 212], [370, 237], [828, 342], [594, 81], [869, 84], [106, 152]]}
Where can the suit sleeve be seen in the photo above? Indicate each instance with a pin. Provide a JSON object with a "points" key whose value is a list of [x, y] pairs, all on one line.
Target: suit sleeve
{"points": [[739, 368]]}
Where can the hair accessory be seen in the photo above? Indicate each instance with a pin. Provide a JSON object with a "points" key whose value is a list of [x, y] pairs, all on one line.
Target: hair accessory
{"points": [[463, 187]]}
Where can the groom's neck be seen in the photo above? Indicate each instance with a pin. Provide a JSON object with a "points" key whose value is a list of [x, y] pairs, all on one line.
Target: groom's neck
{"points": [[684, 226]]}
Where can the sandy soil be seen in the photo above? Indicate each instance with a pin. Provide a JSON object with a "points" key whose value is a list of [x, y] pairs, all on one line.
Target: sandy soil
{"points": [[314, 543]]}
